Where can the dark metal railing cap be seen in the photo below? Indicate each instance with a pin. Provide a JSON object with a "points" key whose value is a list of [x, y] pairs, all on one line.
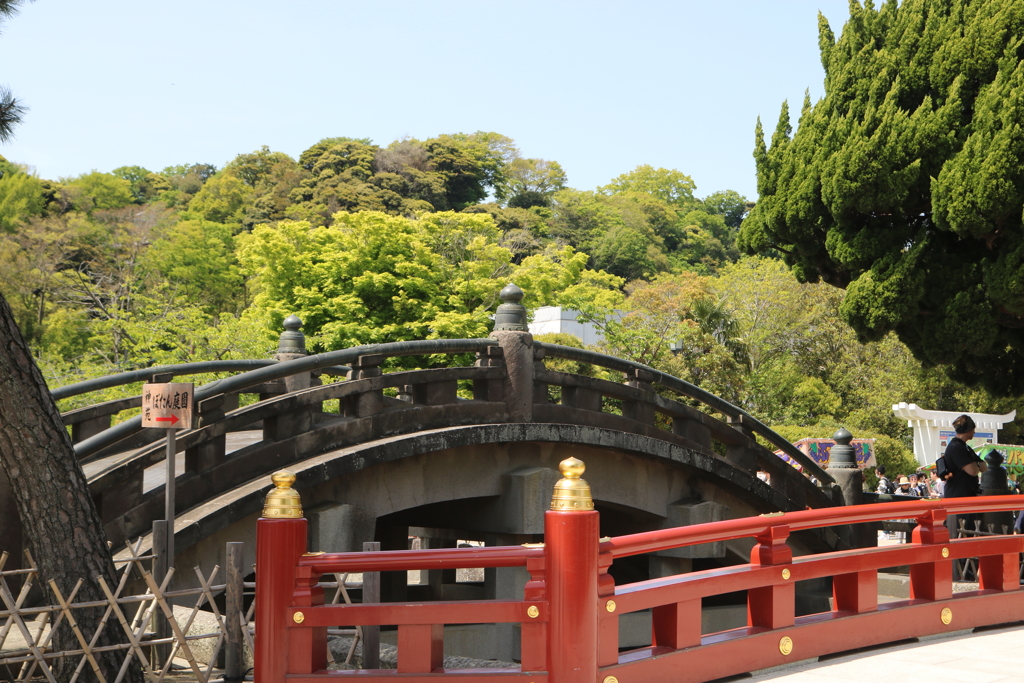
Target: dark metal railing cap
{"points": [[291, 340], [511, 315], [842, 455]]}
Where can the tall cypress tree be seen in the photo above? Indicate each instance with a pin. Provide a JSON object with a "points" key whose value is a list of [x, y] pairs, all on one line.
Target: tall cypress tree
{"points": [[905, 183]]}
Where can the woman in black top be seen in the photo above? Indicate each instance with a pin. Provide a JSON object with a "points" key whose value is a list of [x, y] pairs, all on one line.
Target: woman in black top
{"points": [[962, 461], [965, 465]]}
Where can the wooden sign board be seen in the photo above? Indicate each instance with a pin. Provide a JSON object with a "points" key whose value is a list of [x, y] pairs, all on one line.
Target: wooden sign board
{"points": [[167, 406]]}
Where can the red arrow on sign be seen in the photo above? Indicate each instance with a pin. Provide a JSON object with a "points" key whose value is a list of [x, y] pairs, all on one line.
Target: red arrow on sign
{"points": [[173, 419]]}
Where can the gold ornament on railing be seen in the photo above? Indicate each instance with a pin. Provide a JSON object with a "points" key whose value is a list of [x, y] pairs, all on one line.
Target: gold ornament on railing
{"points": [[571, 492], [283, 501]]}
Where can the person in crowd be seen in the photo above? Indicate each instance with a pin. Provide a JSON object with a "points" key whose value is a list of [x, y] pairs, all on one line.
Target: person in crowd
{"points": [[966, 467], [884, 485], [919, 484], [904, 487], [937, 484]]}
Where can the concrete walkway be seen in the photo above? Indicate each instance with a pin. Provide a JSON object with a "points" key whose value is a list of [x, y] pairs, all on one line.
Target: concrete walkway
{"points": [[988, 656]]}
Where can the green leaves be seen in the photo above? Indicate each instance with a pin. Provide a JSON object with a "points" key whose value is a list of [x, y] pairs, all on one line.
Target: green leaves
{"points": [[920, 134], [373, 278], [670, 186], [21, 196]]}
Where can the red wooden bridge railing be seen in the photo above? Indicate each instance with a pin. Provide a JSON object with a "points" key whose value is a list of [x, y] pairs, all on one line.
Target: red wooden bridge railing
{"points": [[570, 608]]}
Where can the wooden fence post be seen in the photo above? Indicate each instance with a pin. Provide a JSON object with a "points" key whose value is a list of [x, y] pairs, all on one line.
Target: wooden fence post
{"points": [[161, 563], [233, 610], [280, 541], [371, 594], [571, 538]]}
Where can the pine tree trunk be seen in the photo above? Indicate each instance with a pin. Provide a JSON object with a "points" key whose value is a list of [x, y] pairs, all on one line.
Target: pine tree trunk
{"points": [[58, 515]]}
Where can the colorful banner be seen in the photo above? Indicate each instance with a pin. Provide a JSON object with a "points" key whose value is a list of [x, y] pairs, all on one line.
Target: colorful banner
{"points": [[819, 449], [1013, 456]]}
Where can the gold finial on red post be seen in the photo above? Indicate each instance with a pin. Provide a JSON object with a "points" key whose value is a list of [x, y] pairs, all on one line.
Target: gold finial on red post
{"points": [[283, 501], [571, 492]]}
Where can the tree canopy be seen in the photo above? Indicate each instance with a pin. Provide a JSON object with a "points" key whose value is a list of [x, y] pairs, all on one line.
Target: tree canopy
{"points": [[372, 243], [905, 183]]}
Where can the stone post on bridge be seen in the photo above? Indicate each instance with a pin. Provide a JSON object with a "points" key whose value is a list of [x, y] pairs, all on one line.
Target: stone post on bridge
{"points": [[512, 334], [842, 465], [292, 345], [995, 482]]}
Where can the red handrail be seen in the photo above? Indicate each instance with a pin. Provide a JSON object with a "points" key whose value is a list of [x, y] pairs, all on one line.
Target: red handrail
{"points": [[440, 558], [570, 611], [747, 527]]}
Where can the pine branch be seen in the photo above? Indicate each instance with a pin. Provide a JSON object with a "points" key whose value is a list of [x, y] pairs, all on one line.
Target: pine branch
{"points": [[11, 110]]}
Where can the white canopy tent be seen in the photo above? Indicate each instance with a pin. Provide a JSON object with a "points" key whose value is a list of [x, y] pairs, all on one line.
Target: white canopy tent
{"points": [[934, 428]]}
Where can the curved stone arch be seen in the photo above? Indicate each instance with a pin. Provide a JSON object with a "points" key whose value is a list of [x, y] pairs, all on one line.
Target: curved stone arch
{"points": [[126, 508], [476, 467]]}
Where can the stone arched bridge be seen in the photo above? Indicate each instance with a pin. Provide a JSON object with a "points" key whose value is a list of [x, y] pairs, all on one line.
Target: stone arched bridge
{"points": [[462, 452]]}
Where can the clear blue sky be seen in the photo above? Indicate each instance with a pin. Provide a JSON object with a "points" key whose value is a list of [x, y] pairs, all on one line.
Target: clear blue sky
{"points": [[600, 87]]}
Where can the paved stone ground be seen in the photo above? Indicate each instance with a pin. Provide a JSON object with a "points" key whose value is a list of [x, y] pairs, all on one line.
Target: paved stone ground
{"points": [[989, 656]]}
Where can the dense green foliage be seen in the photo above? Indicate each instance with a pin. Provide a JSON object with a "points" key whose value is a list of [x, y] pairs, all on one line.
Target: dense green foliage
{"points": [[413, 240], [366, 243], [904, 184]]}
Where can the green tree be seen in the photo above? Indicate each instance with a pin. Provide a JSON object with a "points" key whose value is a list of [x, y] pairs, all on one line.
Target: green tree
{"points": [[145, 185], [706, 242], [530, 182], [21, 197], [96, 190], [730, 205], [11, 110], [625, 234], [670, 186], [272, 176], [655, 325], [197, 259], [560, 277], [371, 277], [185, 181], [222, 199], [35, 261], [904, 184]]}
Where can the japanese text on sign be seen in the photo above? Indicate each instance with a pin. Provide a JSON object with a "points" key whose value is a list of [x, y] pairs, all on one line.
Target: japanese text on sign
{"points": [[167, 406]]}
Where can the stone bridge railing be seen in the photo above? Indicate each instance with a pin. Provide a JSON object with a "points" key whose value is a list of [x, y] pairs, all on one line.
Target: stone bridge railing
{"points": [[295, 426]]}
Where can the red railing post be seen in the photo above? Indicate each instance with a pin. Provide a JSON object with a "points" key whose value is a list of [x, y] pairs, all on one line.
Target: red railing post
{"points": [[280, 541], [772, 606], [607, 617], [571, 538], [533, 638], [931, 580]]}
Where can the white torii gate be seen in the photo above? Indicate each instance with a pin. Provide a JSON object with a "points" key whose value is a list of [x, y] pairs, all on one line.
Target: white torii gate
{"points": [[934, 428]]}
